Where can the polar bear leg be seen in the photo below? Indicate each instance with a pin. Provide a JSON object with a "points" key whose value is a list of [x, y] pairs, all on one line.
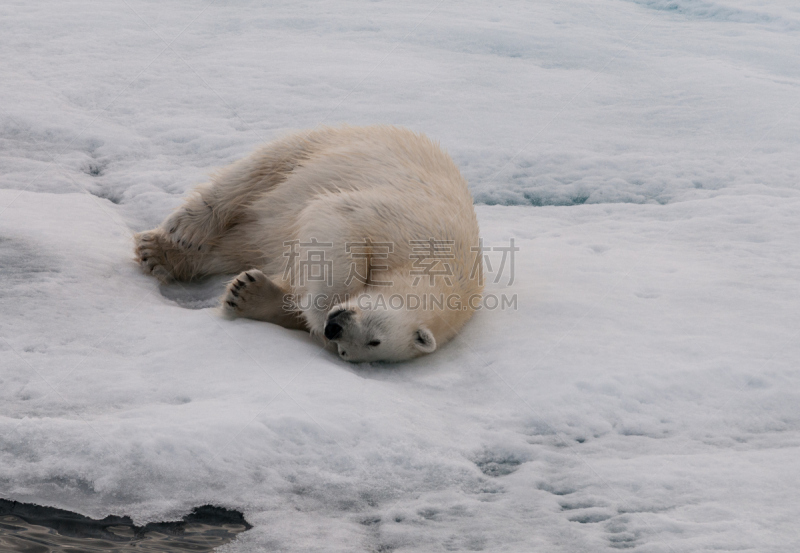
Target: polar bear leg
{"points": [[193, 225], [252, 295], [159, 256], [215, 207]]}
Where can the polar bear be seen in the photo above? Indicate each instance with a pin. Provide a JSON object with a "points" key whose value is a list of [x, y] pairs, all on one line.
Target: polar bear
{"points": [[364, 236]]}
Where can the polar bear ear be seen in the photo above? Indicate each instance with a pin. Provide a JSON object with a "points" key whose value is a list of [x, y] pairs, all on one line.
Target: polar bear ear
{"points": [[424, 340]]}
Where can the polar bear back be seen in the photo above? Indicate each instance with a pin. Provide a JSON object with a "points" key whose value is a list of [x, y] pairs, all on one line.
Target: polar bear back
{"points": [[385, 183]]}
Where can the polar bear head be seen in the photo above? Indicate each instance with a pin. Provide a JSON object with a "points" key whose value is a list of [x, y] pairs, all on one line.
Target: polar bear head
{"points": [[365, 334]]}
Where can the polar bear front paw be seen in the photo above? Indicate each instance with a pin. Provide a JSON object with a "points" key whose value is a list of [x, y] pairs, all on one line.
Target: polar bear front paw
{"points": [[254, 296], [245, 293]]}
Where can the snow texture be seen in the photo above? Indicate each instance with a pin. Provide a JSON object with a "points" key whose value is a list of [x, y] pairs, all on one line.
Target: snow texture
{"points": [[644, 395]]}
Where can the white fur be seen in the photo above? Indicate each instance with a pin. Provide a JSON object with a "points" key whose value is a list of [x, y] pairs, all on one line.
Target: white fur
{"points": [[335, 185]]}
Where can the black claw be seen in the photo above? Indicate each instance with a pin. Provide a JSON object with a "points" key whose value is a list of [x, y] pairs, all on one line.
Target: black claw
{"points": [[199, 247], [250, 278], [239, 283], [173, 229], [232, 304], [235, 293]]}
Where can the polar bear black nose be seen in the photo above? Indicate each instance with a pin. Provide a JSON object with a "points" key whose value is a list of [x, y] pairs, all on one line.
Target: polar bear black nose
{"points": [[333, 327], [333, 331]]}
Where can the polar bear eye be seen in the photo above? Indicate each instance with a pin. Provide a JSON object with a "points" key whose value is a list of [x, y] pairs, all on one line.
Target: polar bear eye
{"points": [[374, 343]]}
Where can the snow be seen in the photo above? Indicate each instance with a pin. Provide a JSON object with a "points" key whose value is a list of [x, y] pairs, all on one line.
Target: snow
{"points": [[645, 394]]}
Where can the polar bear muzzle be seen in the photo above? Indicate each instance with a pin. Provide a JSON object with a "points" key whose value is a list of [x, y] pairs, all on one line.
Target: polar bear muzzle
{"points": [[334, 326]]}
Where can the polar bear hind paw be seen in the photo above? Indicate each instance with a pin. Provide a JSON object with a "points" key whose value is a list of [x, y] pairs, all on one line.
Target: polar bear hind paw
{"points": [[190, 227], [151, 255]]}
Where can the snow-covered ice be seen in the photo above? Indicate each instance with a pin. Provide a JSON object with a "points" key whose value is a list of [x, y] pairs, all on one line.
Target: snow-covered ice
{"points": [[644, 395]]}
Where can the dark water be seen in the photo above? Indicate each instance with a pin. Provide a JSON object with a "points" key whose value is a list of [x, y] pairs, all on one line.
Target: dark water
{"points": [[28, 528]]}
